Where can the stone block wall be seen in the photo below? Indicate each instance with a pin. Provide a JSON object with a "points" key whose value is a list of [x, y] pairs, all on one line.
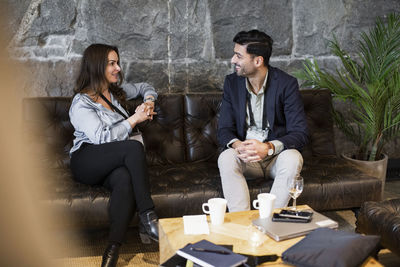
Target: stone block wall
{"points": [[178, 46]]}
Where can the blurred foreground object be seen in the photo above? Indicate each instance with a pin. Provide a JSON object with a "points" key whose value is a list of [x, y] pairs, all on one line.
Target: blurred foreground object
{"points": [[24, 240]]}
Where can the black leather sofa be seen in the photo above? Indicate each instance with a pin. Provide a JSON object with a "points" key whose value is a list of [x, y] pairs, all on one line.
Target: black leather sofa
{"points": [[381, 218], [182, 154]]}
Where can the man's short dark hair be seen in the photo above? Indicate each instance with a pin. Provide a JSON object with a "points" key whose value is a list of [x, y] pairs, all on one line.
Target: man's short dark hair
{"points": [[258, 43]]}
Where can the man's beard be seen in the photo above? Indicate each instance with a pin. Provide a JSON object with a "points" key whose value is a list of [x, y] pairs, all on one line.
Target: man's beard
{"points": [[240, 72]]}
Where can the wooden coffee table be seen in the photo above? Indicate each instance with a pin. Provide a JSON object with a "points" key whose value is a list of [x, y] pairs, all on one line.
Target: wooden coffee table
{"points": [[234, 231]]}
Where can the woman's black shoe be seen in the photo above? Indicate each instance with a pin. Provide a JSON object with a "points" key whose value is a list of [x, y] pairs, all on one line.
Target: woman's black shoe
{"points": [[148, 227], [110, 256]]}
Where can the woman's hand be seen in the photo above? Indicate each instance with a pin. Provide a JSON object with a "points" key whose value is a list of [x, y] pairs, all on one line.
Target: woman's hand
{"points": [[142, 113], [150, 109]]}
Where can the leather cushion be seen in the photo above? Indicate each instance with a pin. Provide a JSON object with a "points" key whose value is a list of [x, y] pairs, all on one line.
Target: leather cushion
{"points": [[163, 136], [381, 218], [201, 118], [49, 133], [332, 183], [318, 108]]}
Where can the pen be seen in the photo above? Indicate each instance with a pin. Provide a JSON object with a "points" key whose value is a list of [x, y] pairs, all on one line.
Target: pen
{"points": [[211, 250]]}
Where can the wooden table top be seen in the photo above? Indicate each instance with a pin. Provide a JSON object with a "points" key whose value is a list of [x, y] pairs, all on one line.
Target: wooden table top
{"points": [[236, 230]]}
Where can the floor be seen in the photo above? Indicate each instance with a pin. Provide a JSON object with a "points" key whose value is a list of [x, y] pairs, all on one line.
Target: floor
{"points": [[87, 251]]}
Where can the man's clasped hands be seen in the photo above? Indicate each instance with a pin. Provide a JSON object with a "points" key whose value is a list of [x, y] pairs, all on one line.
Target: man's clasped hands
{"points": [[252, 150]]}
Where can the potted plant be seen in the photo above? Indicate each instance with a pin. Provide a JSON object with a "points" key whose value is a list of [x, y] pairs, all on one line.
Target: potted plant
{"points": [[369, 81]]}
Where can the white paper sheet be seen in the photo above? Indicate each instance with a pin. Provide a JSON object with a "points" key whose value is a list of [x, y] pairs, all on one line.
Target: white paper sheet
{"points": [[195, 225]]}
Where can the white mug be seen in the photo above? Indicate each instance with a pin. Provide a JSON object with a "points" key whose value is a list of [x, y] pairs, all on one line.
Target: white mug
{"points": [[216, 207], [265, 204]]}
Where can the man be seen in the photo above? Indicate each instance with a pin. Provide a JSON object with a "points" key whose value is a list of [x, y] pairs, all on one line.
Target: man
{"points": [[262, 123]]}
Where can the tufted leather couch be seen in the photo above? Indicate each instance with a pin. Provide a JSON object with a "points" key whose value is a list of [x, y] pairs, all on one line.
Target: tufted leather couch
{"points": [[182, 154], [383, 219]]}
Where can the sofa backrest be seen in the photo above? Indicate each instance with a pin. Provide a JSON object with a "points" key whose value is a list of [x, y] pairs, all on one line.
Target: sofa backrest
{"points": [[164, 135], [184, 129], [202, 113], [318, 109], [49, 133], [201, 118]]}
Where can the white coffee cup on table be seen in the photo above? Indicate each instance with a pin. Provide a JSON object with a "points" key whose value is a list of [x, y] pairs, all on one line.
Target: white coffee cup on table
{"points": [[216, 207], [265, 204]]}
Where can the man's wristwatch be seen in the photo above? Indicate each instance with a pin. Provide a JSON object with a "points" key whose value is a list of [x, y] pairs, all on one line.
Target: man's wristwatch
{"points": [[271, 150]]}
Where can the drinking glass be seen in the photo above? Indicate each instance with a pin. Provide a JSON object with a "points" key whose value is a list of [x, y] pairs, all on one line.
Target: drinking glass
{"points": [[254, 236], [295, 188]]}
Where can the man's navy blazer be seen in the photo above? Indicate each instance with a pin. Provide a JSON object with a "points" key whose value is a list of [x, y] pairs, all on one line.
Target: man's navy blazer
{"points": [[284, 110]]}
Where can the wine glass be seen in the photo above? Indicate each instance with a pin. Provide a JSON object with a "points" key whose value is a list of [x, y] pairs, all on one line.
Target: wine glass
{"points": [[295, 187]]}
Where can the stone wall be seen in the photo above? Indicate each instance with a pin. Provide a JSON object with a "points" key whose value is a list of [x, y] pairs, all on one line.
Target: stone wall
{"points": [[176, 45]]}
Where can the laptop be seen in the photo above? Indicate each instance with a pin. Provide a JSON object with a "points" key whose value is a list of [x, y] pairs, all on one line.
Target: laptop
{"points": [[286, 230]]}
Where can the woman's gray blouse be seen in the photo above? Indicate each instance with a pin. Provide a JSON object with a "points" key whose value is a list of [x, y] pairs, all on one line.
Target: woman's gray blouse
{"points": [[95, 124]]}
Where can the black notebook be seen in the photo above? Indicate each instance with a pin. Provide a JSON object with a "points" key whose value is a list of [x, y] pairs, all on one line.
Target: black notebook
{"points": [[207, 258]]}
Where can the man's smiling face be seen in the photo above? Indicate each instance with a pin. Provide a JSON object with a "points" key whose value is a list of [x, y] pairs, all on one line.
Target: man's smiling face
{"points": [[244, 62]]}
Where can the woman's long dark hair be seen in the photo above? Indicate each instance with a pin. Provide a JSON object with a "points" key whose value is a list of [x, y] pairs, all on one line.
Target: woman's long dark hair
{"points": [[92, 73]]}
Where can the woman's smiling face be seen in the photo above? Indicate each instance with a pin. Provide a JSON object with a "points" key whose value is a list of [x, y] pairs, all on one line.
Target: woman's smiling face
{"points": [[112, 68]]}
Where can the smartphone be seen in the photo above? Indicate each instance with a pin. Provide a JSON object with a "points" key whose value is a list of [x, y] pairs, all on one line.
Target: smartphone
{"points": [[276, 217], [306, 215]]}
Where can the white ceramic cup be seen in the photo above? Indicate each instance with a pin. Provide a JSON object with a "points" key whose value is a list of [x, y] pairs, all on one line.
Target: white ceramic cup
{"points": [[216, 207], [265, 204]]}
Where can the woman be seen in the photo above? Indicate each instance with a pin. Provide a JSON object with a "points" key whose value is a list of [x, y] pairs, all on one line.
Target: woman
{"points": [[103, 153]]}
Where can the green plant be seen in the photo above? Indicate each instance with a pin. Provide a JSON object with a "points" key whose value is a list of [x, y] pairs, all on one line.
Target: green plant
{"points": [[370, 80]]}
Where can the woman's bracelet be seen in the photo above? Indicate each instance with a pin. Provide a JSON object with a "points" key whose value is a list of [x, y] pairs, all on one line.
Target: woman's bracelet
{"points": [[152, 99]]}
